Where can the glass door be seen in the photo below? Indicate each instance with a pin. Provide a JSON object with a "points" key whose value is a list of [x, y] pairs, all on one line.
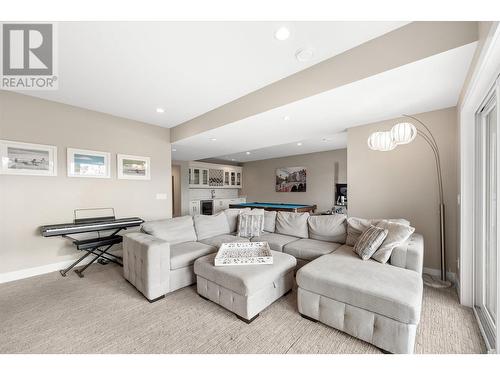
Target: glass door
{"points": [[486, 215]]}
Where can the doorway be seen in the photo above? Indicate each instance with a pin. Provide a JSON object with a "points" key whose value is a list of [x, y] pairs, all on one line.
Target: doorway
{"points": [[176, 190], [486, 242]]}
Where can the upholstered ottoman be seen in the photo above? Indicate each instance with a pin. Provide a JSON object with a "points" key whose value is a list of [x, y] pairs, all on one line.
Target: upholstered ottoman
{"points": [[245, 290], [377, 303]]}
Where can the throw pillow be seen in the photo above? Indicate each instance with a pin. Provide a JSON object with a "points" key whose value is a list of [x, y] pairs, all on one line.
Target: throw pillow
{"points": [[331, 228], [397, 235], [251, 224], [369, 241]]}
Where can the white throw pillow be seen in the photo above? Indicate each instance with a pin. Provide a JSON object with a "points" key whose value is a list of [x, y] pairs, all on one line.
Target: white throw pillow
{"points": [[251, 224], [397, 235]]}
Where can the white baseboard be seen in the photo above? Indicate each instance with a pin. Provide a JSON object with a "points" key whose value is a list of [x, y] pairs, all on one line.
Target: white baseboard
{"points": [[40, 270], [450, 275]]}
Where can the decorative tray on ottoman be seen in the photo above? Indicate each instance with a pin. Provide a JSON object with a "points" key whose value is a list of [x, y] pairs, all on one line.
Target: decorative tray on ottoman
{"points": [[243, 253]]}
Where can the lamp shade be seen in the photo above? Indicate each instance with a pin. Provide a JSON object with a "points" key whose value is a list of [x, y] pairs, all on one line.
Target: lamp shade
{"points": [[403, 133], [381, 141]]}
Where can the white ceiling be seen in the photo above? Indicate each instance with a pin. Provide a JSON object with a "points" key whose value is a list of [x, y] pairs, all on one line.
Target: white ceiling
{"points": [[425, 85], [129, 69]]}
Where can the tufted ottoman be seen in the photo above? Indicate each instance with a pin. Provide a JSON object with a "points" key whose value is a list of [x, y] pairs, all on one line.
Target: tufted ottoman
{"points": [[377, 303], [245, 290]]}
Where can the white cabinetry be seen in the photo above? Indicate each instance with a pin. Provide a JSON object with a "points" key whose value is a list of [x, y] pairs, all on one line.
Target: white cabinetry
{"points": [[215, 176], [194, 208], [222, 204], [198, 177]]}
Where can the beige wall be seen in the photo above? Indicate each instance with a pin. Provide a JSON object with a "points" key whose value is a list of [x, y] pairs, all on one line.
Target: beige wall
{"points": [[26, 202], [324, 169], [402, 182]]}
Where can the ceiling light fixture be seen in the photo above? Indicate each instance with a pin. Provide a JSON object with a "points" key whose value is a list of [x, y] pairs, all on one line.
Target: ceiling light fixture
{"points": [[299, 143], [213, 139], [248, 152], [282, 33], [304, 54], [160, 110], [325, 140], [286, 118], [233, 159]]}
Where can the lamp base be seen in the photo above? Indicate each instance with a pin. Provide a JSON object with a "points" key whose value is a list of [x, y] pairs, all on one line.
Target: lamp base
{"points": [[436, 282]]}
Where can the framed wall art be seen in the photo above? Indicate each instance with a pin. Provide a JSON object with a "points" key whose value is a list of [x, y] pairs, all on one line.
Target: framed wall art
{"points": [[31, 159], [87, 163], [132, 167]]}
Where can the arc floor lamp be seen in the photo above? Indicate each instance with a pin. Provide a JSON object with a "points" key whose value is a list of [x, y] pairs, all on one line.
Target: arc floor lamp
{"points": [[404, 133]]}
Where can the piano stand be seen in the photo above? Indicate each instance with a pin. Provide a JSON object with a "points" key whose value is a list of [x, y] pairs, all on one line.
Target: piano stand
{"points": [[94, 246]]}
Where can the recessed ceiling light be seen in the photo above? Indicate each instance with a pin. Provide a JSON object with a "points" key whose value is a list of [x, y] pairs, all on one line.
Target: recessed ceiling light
{"points": [[213, 139], [286, 118], [325, 140], [282, 33], [160, 110], [174, 149], [248, 152], [233, 159], [304, 54], [299, 143]]}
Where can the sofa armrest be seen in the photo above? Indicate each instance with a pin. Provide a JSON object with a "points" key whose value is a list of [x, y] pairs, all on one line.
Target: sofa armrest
{"points": [[146, 264], [410, 254]]}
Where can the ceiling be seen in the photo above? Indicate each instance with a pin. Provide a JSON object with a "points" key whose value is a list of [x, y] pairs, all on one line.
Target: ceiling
{"points": [[319, 122], [129, 69]]}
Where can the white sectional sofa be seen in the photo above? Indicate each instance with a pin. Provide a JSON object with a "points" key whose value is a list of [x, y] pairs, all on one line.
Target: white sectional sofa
{"points": [[375, 302]]}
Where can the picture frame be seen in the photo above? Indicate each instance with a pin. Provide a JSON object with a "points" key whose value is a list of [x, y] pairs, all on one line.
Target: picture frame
{"points": [[88, 163], [29, 159], [291, 180], [133, 167]]}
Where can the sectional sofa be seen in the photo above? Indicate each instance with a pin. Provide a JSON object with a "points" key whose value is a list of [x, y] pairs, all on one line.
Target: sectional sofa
{"points": [[375, 302]]}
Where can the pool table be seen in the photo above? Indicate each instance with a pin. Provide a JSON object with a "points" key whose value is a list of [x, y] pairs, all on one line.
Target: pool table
{"points": [[277, 206]]}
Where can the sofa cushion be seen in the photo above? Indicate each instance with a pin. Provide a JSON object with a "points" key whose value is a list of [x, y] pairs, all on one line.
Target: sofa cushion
{"points": [[184, 254], [207, 226], [232, 215], [331, 228], [175, 230], [292, 223], [276, 241], [397, 234], [248, 279], [223, 238], [380, 288], [270, 221], [308, 249]]}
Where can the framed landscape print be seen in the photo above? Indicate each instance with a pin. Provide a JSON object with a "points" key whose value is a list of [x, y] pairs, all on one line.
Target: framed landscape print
{"points": [[131, 167], [87, 163], [291, 179], [28, 159]]}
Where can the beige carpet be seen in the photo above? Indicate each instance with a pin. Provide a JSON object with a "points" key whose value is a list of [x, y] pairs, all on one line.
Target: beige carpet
{"points": [[102, 313]]}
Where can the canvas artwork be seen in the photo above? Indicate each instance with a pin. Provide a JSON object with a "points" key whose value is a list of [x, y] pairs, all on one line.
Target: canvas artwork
{"points": [[131, 167], [28, 159], [86, 163], [291, 179]]}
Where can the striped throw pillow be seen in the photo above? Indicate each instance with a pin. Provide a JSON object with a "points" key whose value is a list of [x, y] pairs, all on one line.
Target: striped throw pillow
{"points": [[369, 241]]}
